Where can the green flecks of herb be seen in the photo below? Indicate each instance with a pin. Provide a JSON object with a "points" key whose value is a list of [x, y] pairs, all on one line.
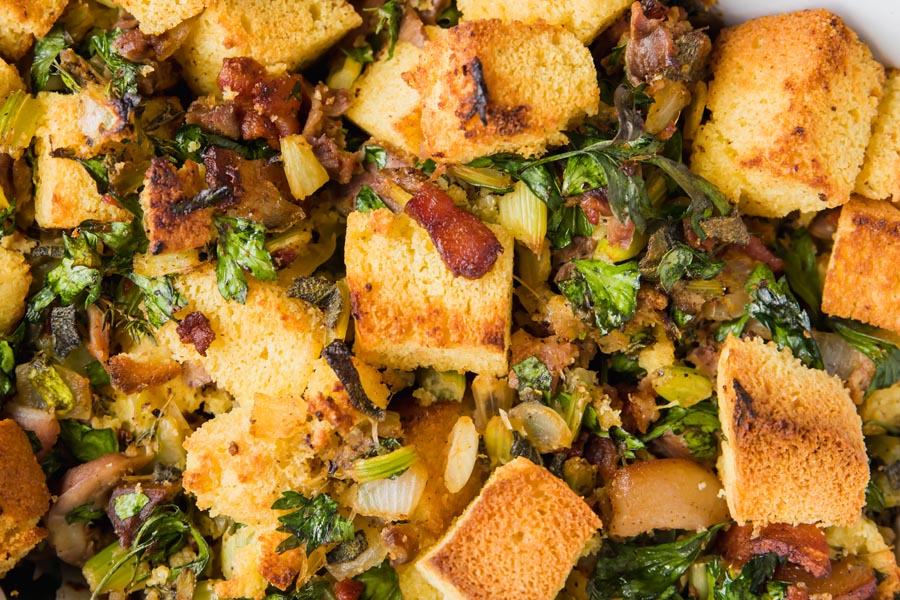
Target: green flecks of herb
{"points": [[86, 443], [381, 583], [313, 522], [532, 374], [161, 299], [46, 54], [752, 582], [697, 425], [522, 447], [362, 54], [130, 504], [123, 83], [241, 246], [96, 373], [606, 290], [683, 261], [322, 293], [375, 155], [387, 24], [84, 513], [884, 354], [367, 200]]}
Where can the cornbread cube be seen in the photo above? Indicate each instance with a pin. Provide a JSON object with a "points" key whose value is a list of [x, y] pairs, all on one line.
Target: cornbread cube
{"points": [[584, 18], [792, 104], [411, 311], [86, 123], [862, 281], [880, 175], [528, 81], [164, 187], [23, 20], [285, 34], [10, 80], [518, 539], [158, 16], [792, 446], [384, 105], [23, 503], [327, 398], [16, 277], [267, 345], [234, 473]]}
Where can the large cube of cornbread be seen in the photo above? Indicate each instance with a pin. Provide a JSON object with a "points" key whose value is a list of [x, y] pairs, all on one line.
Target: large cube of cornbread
{"points": [[880, 174], [792, 446], [267, 345], [16, 277], [23, 20], [862, 281], [23, 499], [283, 33], [86, 123], [234, 473], [411, 311], [384, 105], [519, 539], [489, 86], [792, 104], [158, 16], [584, 18]]}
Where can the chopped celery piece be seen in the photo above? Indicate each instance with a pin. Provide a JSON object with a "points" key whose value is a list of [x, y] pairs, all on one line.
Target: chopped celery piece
{"points": [[101, 564], [441, 386], [19, 119], [524, 215], [498, 441], [384, 466], [490, 179], [344, 76], [682, 385], [305, 174]]}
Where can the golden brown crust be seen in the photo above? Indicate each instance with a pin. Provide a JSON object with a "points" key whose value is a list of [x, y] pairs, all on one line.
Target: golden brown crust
{"points": [[24, 497], [518, 539], [409, 308], [279, 569], [474, 98], [15, 274], [167, 228], [158, 16], [880, 174], [862, 281], [792, 449], [129, 375], [815, 86], [23, 20]]}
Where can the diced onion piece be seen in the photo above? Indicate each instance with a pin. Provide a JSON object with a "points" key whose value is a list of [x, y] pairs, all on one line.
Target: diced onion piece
{"points": [[669, 493], [20, 116], [524, 215], [386, 465], [305, 174], [487, 178], [616, 254], [344, 76], [683, 385], [462, 454], [542, 426], [694, 115], [491, 394], [168, 263], [392, 499], [667, 105]]}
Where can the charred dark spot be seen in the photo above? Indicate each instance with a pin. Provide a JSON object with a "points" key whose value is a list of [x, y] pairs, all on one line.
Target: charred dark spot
{"points": [[233, 448], [337, 355], [744, 413]]}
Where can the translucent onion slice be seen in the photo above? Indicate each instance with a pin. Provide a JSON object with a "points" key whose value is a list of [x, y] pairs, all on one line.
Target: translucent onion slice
{"points": [[541, 425], [462, 454], [525, 216], [305, 174], [392, 499]]}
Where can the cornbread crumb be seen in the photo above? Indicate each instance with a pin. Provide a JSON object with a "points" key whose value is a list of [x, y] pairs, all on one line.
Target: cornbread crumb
{"points": [[267, 345], [16, 277], [384, 105], [792, 448], [865, 540], [284, 34], [537, 81], [518, 539], [411, 311], [584, 18], [862, 281], [792, 104], [21, 505], [10, 80], [158, 16], [880, 175]]}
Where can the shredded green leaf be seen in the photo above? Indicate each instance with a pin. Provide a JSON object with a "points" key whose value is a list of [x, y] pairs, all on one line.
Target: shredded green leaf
{"points": [[884, 354], [697, 425], [46, 52], [84, 513], [130, 504], [367, 200], [241, 246], [382, 583], [607, 290], [313, 522], [752, 582], [86, 443]]}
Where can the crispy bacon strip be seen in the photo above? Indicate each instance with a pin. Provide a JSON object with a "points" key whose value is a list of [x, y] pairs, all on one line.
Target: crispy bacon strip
{"points": [[803, 545], [465, 244]]}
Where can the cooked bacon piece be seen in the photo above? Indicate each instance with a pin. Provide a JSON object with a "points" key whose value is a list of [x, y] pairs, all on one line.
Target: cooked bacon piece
{"points": [[663, 44], [602, 453], [618, 234], [221, 119], [129, 375], [803, 545], [267, 106], [165, 188], [594, 204], [348, 589], [258, 188], [851, 578], [756, 250], [401, 542], [338, 163], [194, 329], [465, 244]]}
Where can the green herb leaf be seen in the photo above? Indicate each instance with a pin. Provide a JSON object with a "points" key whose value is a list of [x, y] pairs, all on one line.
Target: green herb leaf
{"points": [[752, 582], [704, 195], [607, 290], [130, 504], [367, 200], [884, 354], [626, 442], [46, 52], [317, 589], [388, 17], [241, 245], [533, 374], [8, 347], [801, 270], [204, 199], [161, 299], [322, 293], [84, 513], [375, 155], [315, 521], [697, 425], [97, 373], [522, 447], [634, 572], [124, 73], [683, 261], [773, 305], [86, 443], [361, 54], [190, 142], [382, 583]]}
